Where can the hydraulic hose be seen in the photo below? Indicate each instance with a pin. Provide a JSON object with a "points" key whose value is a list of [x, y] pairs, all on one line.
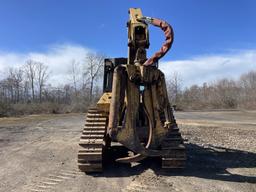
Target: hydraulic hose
{"points": [[169, 37]]}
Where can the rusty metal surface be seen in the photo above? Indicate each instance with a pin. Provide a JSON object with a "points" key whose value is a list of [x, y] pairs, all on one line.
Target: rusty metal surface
{"points": [[117, 100]]}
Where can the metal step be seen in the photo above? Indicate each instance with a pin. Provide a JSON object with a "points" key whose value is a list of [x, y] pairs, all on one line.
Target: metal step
{"points": [[91, 136], [90, 167], [87, 128], [94, 115], [172, 142], [171, 163], [95, 124], [90, 149], [98, 119], [94, 132], [89, 156], [91, 141], [93, 111]]}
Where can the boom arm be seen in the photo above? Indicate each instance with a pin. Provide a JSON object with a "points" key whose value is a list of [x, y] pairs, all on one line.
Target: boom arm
{"points": [[138, 37]]}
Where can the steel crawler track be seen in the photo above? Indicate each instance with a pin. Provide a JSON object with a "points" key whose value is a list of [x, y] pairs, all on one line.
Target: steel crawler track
{"points": [[173, 143], [91, 142]]}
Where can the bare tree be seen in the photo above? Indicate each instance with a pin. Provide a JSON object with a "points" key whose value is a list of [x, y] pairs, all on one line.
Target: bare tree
{"points": [[37, 74], [74, 75], [30, 70], [247, 82], [93, 69], [26, 90], [42, 75], [226, 93], [174, 87], [16, 78]]}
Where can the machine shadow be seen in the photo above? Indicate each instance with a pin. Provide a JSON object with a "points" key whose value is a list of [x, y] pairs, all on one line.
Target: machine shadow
{"points": [[208, 163], [212, 163]]}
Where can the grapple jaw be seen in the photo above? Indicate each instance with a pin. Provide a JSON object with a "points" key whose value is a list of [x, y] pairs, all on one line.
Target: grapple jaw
{"points": [[128, 101]]}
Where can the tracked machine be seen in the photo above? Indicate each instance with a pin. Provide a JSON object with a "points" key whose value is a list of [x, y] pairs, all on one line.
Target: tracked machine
{"points": [[134, 110]]}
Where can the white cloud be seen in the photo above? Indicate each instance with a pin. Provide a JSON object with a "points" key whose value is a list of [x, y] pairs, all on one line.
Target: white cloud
{"points": [[196, 70], [208, 68], [58, 58]]}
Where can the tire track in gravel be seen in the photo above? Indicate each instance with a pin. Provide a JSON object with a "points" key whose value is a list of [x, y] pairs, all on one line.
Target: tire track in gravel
{"points": [[53, 179]]}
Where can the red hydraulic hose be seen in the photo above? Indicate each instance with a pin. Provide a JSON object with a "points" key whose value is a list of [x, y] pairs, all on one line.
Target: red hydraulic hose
{"points": [[169, 36]]}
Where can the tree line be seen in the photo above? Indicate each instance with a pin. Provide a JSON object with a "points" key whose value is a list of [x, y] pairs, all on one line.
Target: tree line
{"points": [[222, 94], [27, 89]]}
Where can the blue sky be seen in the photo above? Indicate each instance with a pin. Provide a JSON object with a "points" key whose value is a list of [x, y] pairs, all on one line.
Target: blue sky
{"points": [[203, 28]]}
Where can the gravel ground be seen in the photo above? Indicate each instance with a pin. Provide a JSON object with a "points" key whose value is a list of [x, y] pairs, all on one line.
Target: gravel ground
{"points": [[38, 153]]}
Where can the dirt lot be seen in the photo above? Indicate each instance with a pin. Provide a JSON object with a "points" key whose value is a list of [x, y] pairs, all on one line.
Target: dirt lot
{"points": [[38, 153]]}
